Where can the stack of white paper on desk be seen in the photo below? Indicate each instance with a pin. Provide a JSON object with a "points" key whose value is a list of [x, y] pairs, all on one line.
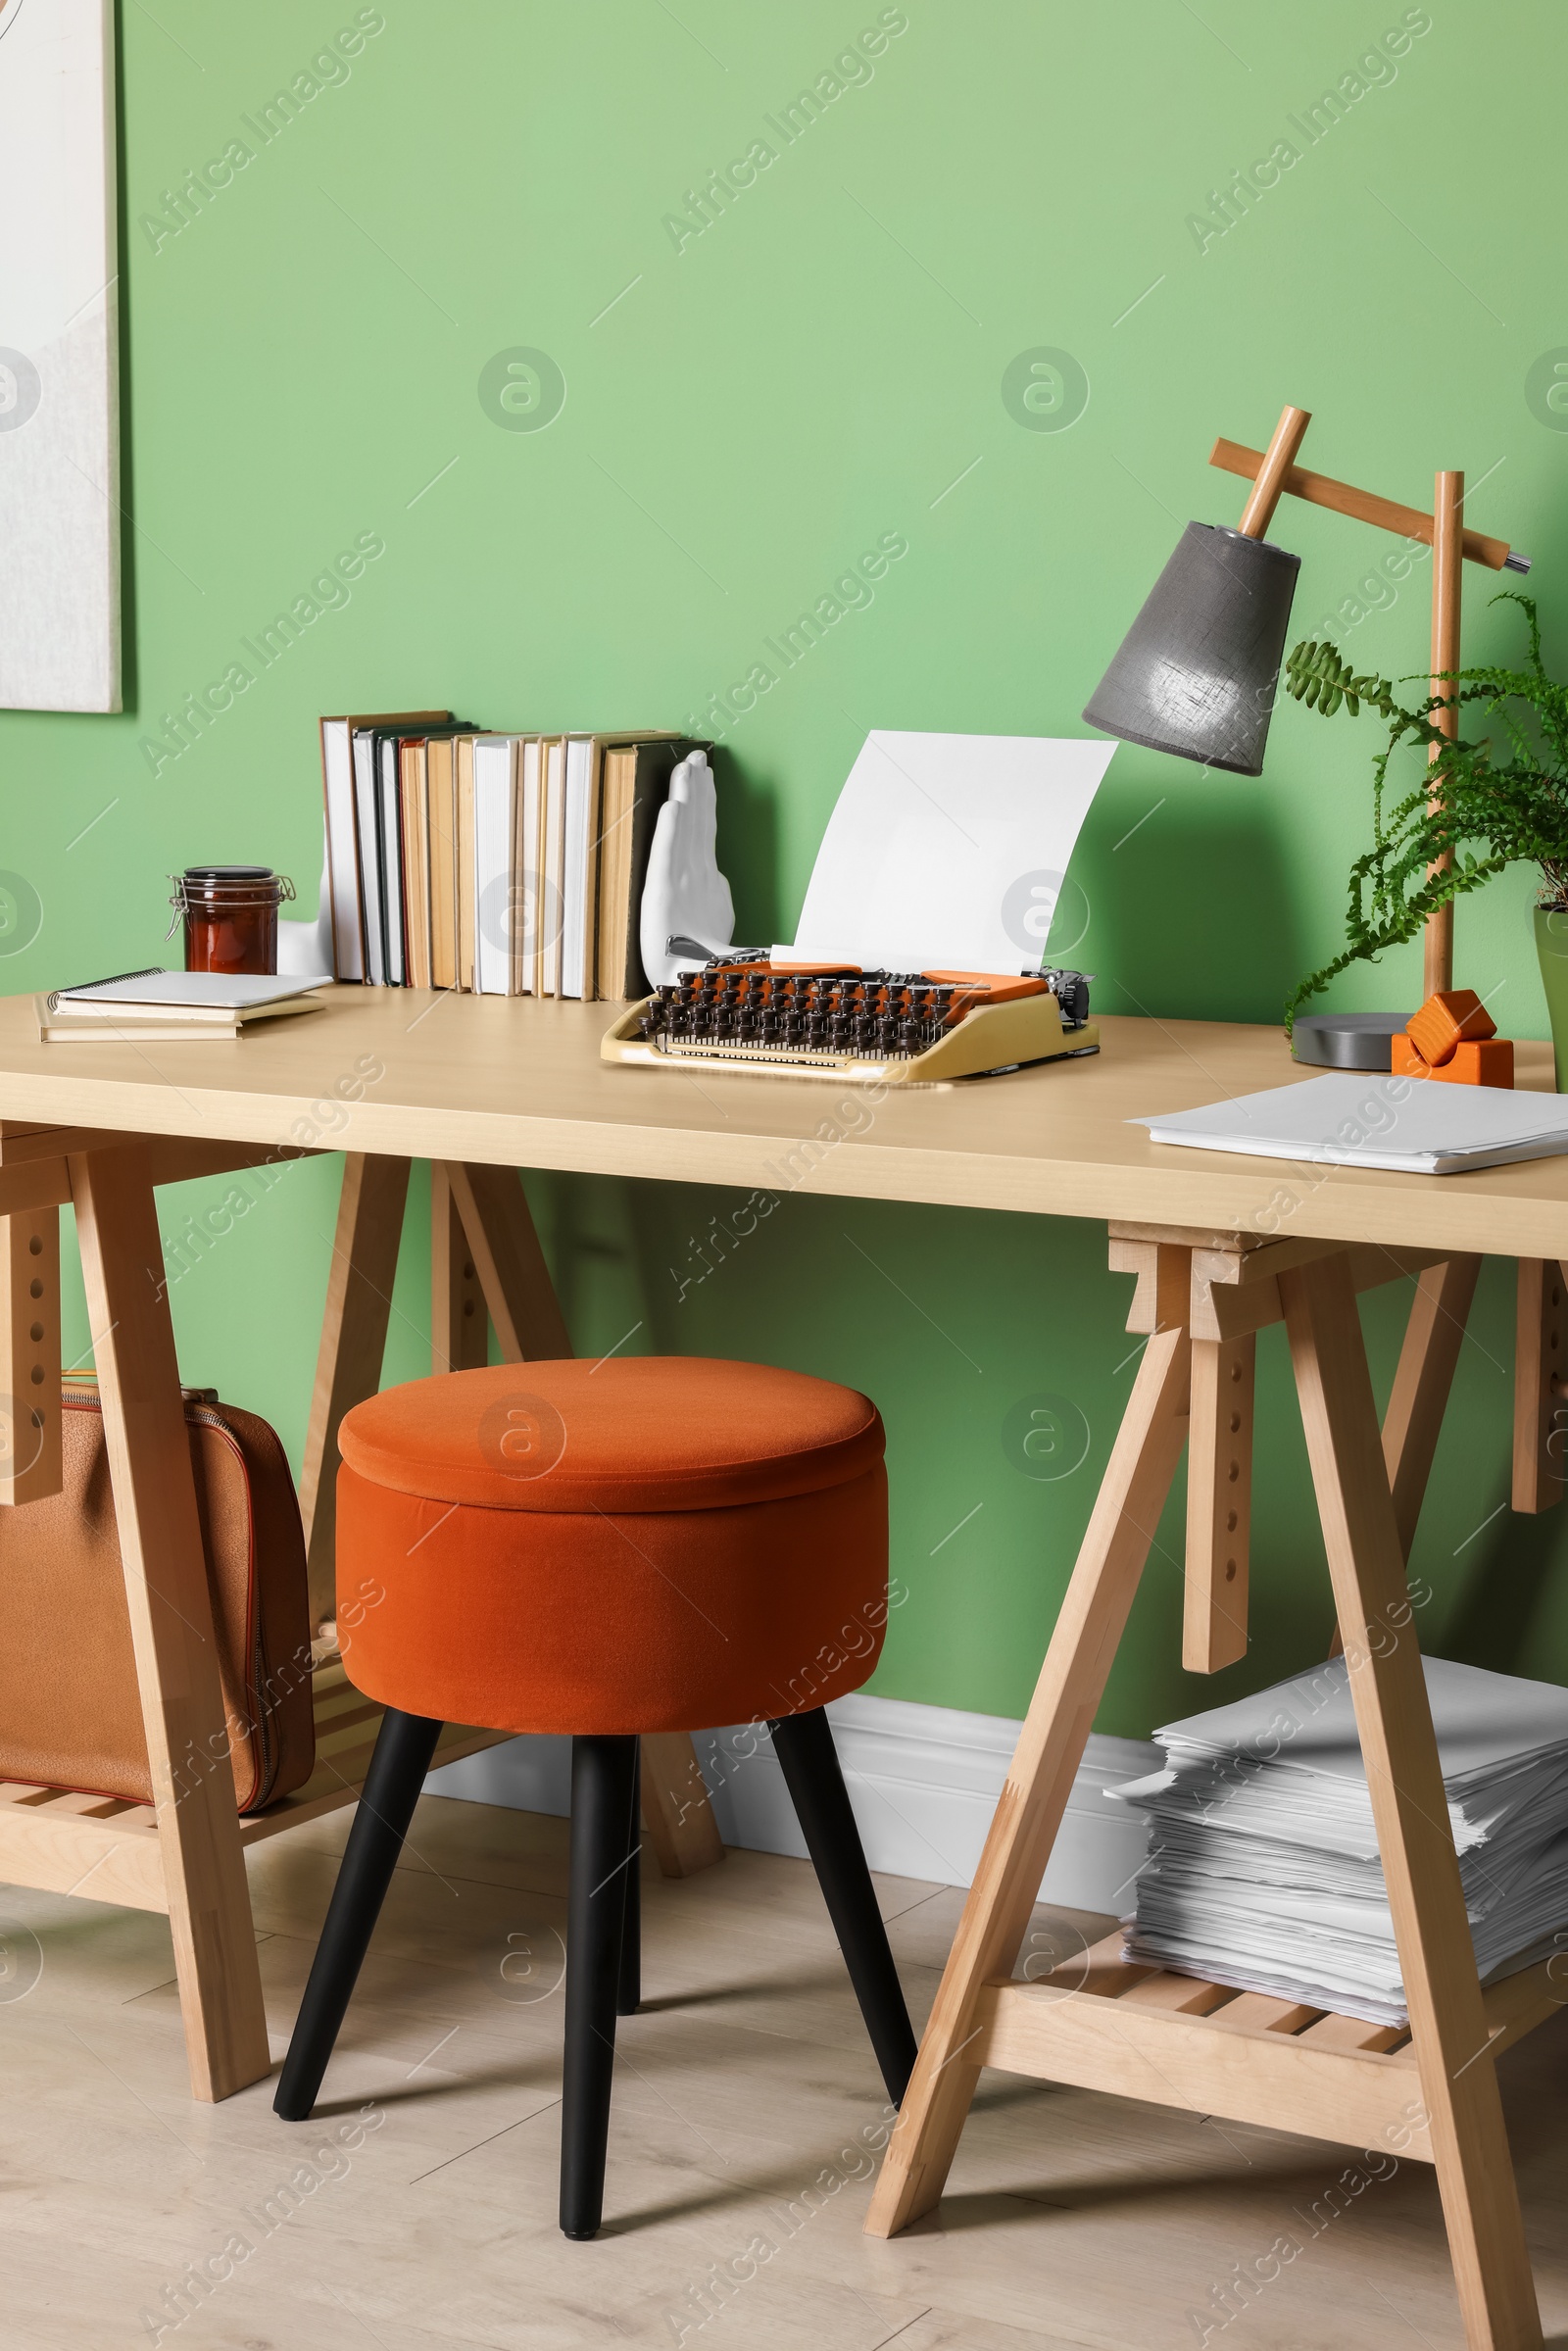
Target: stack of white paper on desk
{"points": [[948, 853], [1263, 1868]]}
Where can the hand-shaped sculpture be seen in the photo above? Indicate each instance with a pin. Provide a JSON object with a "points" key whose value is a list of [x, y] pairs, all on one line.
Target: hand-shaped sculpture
{"points": [[685, 896]]}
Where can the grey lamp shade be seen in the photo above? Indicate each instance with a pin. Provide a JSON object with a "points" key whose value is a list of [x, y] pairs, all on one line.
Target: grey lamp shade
{"points": [[1196, 669]]}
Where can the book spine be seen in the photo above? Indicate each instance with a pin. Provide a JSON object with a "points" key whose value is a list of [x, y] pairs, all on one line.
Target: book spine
{"points": [[342, 849], [366, 803], [463, 852]]}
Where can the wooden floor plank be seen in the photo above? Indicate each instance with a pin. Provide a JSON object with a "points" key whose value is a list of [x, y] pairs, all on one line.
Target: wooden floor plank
{"points": [[1076, 2222]]}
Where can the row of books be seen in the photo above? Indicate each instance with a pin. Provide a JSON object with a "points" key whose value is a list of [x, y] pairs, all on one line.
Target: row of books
{"points": [[506, 864]]}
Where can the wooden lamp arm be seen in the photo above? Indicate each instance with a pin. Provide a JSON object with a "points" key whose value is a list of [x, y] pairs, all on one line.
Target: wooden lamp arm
{"points": [[1320, 489], [1272, 472]]}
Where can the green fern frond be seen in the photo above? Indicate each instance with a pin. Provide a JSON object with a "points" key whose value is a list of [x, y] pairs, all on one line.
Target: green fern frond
{"points": [[1470, 815], [1317, 676]]}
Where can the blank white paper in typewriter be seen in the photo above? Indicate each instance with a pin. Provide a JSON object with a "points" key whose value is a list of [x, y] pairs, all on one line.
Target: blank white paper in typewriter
{"points": [[949, 853]]}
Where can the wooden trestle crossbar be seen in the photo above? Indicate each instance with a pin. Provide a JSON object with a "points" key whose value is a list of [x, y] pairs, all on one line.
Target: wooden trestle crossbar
{"points": [[1152, 2034]]}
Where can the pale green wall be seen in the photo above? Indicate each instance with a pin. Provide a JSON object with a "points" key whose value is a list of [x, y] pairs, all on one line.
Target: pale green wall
{"points": [[812, 370]]}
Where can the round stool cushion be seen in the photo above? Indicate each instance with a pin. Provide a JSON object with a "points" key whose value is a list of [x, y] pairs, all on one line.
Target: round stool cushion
{"points": [[665, 1543]]}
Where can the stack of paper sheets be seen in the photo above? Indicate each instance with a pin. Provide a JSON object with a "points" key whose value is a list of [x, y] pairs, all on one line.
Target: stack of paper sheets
{"points": [[1263, 1868]]}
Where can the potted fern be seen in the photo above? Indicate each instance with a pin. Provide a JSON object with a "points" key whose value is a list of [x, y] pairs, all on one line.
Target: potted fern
{"points": [[1472, 813]]}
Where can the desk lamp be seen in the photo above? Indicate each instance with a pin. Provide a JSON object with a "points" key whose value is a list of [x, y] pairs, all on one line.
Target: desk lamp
{"points": [[1196, 672]]}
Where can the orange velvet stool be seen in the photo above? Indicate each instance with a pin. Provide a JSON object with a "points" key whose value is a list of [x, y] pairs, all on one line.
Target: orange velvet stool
{"points": [[655, 1544], [664, 1544]]}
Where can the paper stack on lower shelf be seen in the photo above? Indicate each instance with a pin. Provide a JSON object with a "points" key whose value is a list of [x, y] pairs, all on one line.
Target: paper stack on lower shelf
{"points": [[1263, 1868]]}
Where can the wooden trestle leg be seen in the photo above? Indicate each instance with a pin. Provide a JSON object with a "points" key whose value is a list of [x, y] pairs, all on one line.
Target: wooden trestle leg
{"points": [[511, 1269], [1540, 1415], [1039, 1780], [1185, 2041], [1428, 1359], [1447, 2022], [460, 1327], [170, 1622], [348, 1368]]}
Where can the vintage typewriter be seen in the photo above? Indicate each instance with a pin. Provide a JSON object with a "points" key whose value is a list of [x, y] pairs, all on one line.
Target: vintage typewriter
{"points": [[742, 1011]]}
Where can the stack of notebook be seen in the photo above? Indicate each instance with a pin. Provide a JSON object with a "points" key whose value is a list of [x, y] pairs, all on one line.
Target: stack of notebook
{"points": [[1263, 1868], [1407, 1126], [509, 864], [163, 1008]]}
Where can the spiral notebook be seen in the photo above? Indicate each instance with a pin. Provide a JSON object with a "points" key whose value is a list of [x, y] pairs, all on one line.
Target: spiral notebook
{"points": [[141, 1006]]}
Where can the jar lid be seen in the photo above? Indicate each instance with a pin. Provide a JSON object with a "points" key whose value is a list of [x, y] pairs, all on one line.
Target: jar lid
{"points": [[209, 892]]}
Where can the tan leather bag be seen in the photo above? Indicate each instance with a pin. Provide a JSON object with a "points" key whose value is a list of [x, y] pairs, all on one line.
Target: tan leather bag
{"points": [[70, 1709]]}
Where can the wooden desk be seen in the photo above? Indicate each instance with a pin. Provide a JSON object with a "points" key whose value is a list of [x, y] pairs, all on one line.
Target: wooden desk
{"points": [[513, 1083], [1220, 1246]]}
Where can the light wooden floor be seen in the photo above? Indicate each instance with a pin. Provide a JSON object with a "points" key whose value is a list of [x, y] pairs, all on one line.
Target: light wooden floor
{"points": [[1073, 2220]]}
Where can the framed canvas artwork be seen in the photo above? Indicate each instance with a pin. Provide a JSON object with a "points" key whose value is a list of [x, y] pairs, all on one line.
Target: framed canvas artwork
{"points": [[58, 345]]}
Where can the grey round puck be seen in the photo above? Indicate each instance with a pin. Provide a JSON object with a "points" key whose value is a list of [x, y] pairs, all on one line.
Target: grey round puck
{"points": [[1346, 1040]]}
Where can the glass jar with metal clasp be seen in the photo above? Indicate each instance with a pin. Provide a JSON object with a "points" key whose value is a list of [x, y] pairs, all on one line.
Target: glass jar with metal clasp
{"points": [[231, 916]]}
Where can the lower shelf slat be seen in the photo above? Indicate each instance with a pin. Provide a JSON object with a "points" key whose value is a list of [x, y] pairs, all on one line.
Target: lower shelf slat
{"points": [[107, 1849], [1100, 2023], [339, 1775], [1187, 2058]]}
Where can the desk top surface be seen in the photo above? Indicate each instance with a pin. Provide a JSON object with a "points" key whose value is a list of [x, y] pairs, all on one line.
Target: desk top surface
{"points": [[518, 1082]]}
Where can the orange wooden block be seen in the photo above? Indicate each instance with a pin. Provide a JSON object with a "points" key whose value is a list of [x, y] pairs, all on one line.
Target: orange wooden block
{"points": [[1485, 1061], [1454, 1017]]}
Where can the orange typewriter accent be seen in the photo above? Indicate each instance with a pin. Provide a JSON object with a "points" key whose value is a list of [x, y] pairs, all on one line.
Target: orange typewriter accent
{"points": [[1455, 1038]]}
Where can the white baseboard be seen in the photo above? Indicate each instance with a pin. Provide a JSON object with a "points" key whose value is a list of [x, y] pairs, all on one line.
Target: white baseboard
{"points": [[923, 1780]]}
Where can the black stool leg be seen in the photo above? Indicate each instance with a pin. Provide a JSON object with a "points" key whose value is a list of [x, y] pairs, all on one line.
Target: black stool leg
{"points": [[603, 1769], [803, 1745], [404, 1747], [629, 1990]]}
